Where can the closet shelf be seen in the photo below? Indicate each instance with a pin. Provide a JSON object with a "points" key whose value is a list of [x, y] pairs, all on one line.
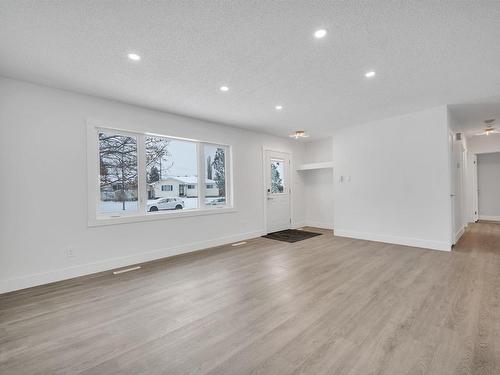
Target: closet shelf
{"points": [[311, 166]]}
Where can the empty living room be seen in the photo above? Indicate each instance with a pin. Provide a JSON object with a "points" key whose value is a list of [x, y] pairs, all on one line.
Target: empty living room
{"points": [[250, 187]]}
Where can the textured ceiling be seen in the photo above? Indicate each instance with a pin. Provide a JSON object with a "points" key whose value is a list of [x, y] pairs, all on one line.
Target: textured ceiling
{"points": [[425, 53], [471, 116]]}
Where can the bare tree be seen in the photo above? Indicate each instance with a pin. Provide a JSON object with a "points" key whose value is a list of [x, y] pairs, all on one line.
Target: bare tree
{"points": [[118, 165], [157, 155]]}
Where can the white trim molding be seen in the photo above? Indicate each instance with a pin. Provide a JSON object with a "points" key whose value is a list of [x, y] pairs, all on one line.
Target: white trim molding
{"points": [[489, 218], [167, 214], [313, 166], [459, 234], [406, 241], [291, 164], [319, 224], [297, 225], [9, 285]]}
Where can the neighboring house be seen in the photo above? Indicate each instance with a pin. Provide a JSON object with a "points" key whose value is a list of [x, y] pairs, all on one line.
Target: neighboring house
{"points": [[114, 192], [181, 186]]}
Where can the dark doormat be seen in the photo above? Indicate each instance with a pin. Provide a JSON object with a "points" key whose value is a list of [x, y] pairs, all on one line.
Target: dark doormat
{"points": [[291, 235]]}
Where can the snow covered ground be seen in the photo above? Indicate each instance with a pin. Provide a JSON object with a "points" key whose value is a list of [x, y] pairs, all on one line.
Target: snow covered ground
{"points": [[109, 206], [190, 203]]}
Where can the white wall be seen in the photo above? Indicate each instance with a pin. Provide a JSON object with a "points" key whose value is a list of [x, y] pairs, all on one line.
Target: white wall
{"points": [[44, 198], [484, 143], [458, 174], [399, 180], [457, 189], [318, 185], [489, 186], [470, 187]]}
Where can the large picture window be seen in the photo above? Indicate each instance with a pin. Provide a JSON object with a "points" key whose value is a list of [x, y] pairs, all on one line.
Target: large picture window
{"points": [[142, 175]]}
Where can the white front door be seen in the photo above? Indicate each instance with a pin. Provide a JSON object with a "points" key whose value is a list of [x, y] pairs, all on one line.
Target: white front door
{"points": [[277, 184]]}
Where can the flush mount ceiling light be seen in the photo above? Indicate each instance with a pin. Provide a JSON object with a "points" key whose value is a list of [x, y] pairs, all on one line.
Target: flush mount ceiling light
{"points": [[489, 128], [370, 74], [321, 33], [224, 88], [134, 56], [278, 107], [299, 134]]}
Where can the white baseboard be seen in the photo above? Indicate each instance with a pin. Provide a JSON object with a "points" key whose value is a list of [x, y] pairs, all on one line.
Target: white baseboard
{"points": [[28, 281], [489, 218], [296, 225], [407, 241], [319, 224], [459, 234]]}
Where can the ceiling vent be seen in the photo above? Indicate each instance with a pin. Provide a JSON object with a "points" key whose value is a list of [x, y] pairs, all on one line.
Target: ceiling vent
{"points": [[458, 136]]}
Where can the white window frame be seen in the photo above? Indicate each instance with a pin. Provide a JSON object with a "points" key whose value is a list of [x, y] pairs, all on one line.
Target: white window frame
{"points": [[93, 180], [228, 157]]}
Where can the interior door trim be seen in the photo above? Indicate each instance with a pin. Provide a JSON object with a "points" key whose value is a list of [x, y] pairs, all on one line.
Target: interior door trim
{"points": [[264, 188]]}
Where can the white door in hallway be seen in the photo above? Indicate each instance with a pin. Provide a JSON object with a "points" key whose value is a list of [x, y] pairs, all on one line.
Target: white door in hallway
{"points": [[277, 185]]}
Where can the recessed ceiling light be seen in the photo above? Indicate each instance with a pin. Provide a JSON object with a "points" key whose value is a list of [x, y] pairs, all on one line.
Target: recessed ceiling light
{"points": [[279, 107], [134, 56], [321, 33], [370, 74], [224, 88]]}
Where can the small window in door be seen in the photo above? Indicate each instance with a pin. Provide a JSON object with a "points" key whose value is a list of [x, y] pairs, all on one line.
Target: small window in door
{"points": [[277, 176]]}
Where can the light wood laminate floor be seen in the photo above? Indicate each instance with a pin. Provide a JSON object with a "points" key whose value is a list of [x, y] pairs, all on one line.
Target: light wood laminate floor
{"points": [[326, 305]]}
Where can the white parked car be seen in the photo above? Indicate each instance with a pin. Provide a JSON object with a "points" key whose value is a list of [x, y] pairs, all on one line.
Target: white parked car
{"points": [[165, 204]]}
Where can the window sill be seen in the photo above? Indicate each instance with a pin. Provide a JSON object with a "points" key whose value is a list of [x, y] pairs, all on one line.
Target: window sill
{"points": [[174, 214]]}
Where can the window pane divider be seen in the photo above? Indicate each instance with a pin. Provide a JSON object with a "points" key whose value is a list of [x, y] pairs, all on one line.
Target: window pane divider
{"points": [[141, 174], [200, 150]]}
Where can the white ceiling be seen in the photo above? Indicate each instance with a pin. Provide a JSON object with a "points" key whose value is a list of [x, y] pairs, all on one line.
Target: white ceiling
{"points": [[425, 53], [471, 116]]}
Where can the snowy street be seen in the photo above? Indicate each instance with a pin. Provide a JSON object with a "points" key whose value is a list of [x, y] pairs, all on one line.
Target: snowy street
{"points": [[130, 206]]}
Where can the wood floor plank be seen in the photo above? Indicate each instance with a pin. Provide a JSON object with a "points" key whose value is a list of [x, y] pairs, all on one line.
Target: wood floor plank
{"points": [[326, 305]]}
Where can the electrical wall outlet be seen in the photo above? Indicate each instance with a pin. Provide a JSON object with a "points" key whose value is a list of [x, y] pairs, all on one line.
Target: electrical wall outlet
{"points": [[70, 252]]}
